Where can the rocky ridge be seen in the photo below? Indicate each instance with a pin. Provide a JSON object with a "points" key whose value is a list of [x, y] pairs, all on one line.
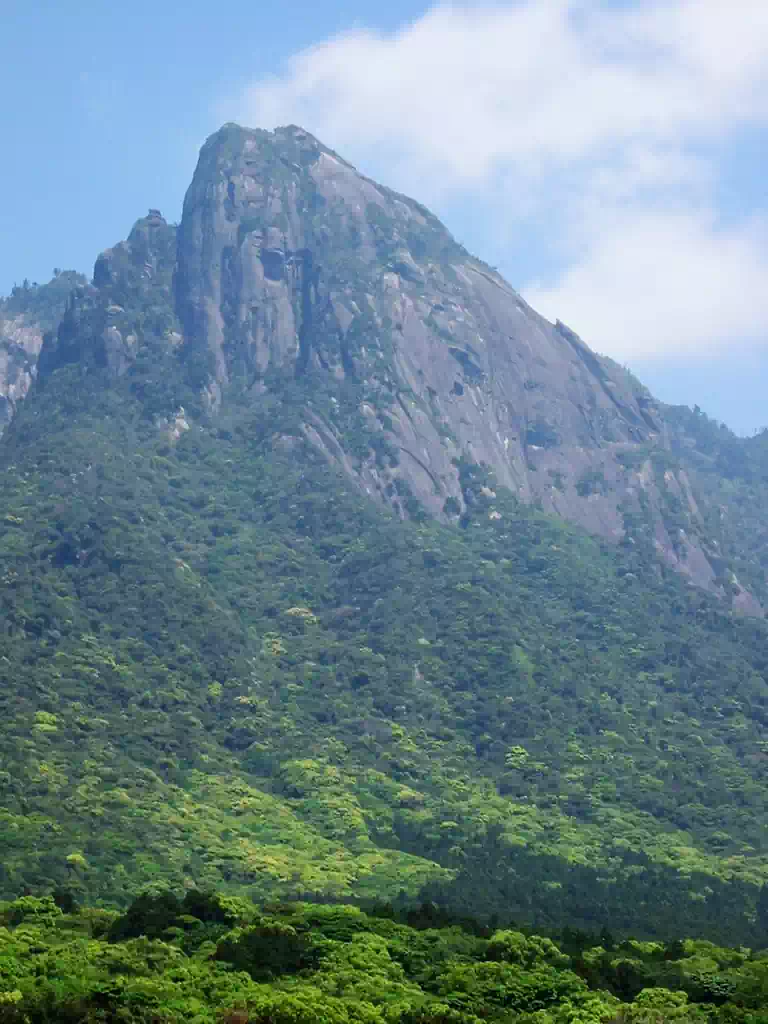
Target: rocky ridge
{"points": [[26, 316], [429, 381]]}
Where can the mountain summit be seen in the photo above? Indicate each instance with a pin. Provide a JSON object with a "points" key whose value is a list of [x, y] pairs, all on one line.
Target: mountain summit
{"points": [[420, 361], [290, 261], [330, 568]]}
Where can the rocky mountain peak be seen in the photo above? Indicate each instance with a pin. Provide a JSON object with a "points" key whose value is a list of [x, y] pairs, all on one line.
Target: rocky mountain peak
{"points": [[130, 296], [425, 376], [291, 261], [150, 248]]}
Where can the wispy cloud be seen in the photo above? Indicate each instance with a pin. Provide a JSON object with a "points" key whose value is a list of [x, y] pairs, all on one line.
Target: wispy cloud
{"points": [[603, 124]]}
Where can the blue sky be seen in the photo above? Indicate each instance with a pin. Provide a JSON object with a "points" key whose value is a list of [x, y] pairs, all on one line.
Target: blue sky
{"points": [[609, 158]]}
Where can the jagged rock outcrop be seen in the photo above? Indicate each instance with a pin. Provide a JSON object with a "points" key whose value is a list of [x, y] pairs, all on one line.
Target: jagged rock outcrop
{"points": [[20, 344], [290, 261], [26, 316], [130, 295], [414, 359]]}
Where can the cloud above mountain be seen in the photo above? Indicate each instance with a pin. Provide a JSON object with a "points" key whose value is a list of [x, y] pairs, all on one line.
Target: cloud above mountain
{"points": [[611, 130]]}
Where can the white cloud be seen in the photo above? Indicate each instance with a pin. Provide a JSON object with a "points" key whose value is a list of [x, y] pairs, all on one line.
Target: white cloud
{"points": [[566, 109], [663, 284]]}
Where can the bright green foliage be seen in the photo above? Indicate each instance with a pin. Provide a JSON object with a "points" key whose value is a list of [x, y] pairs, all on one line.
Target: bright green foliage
{"points": [[307, 963], [517, 948], [221, 668], [32, 909]]}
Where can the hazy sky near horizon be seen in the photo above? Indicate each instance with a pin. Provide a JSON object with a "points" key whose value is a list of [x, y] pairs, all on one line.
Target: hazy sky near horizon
{"points": [[608, 157]]}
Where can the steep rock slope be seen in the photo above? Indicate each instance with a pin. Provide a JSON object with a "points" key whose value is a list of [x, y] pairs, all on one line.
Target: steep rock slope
{"points": [[25, 316], [129, 300], [416, 365], [220, 663], [290, 261]]}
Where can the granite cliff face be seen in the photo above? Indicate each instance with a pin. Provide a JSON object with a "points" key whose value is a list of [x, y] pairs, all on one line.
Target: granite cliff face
{"points": [[425, 377], [20, 344], [129, 299], [290, 261], [26, 316]]}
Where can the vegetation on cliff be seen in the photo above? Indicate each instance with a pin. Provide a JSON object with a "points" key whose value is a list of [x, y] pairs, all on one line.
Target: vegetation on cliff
{"points": [[222, 665]]}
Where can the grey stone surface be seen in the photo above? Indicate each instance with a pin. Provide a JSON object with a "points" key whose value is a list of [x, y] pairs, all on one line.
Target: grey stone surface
{"points": [[289, 259], [290, 265]]}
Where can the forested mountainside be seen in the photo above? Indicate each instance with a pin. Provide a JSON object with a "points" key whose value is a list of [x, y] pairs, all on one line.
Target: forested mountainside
{"points": [[312, 589]]}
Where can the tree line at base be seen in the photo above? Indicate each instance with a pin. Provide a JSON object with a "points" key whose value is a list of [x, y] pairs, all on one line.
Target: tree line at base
{"points": [[213, 957]]}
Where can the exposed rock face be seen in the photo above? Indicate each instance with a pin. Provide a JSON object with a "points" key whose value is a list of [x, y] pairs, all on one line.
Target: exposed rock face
{"points": [[131, 286], [20, 344], [291, 261], [25, 317], [415, 360]]}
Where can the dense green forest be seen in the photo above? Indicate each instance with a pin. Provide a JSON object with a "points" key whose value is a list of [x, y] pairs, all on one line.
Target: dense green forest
{"points": [[208, 957], [223, 667], [273, 751]]}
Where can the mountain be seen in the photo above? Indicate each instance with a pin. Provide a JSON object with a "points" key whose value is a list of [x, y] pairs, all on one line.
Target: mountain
{"points": [[291, 262], [26, 315], [292, 265], [329, 568]]}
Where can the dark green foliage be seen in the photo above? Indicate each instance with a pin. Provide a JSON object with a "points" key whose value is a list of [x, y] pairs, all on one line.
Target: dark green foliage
{"points": [[592, 481], [246, 674], [307, 963], [150, 914], [221, 667], [542, 435], [268, 949]]}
